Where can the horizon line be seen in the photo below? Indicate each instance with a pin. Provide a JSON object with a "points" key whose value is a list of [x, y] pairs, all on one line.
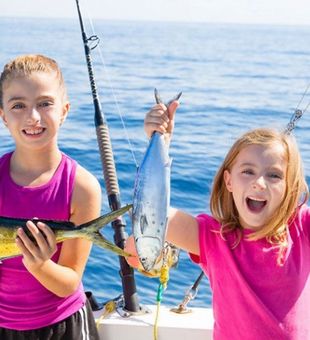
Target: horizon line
{"points": [[181, 21]]}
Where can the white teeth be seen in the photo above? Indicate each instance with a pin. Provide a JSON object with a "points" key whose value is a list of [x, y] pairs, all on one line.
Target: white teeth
{"points": [[33, 132], [256, 199]]}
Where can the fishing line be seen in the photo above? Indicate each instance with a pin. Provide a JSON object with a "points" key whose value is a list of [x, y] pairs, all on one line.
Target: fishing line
{"points": [[297, 113], [302, 98], [112, 89], [131, 302]]}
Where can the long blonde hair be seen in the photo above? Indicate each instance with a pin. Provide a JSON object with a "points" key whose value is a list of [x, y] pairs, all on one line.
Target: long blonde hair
{"points": [[25, 65], [222, 204]]}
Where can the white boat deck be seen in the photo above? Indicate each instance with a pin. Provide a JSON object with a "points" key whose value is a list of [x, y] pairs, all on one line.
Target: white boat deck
{"points": [[196, 325]]}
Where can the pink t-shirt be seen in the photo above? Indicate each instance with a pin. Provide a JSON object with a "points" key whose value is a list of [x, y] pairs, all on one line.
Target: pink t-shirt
{"points": [[253, 297], [24, 302]]}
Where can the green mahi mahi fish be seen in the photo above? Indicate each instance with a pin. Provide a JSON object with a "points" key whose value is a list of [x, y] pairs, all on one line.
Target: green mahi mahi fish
{"points": [[63, 231]]}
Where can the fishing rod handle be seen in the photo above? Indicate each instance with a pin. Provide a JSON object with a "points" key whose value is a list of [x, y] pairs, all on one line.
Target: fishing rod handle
{"points": [[107, 159]]}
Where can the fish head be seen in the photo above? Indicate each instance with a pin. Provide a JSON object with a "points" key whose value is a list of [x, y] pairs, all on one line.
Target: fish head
{"points": [[172, 258], [148, 249]]}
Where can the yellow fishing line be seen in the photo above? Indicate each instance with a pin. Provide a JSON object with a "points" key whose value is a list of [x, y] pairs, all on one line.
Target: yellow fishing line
{"points": [[163, 279]]}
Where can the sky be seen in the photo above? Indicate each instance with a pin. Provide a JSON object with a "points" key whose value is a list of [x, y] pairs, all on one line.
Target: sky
{"points": [[283, 12]]}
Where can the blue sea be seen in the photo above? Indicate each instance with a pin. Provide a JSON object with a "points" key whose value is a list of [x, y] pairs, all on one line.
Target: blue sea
{"points": [[233, 77]]}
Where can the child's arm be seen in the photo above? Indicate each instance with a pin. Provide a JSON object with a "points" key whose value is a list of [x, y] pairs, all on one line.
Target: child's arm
{"points": [[63, 278], [182, 231]]}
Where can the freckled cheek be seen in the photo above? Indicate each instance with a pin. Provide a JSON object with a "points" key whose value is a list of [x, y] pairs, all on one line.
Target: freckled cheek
{"points": [[242, 182], [280, 191]]}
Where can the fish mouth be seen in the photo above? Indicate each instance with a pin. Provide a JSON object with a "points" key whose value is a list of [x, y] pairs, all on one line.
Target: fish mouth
{"points": [[148, 249], [147, 264], [255, 205], [33, 131]]}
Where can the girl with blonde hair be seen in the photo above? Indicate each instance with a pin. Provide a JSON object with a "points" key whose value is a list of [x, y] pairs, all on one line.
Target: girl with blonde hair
{"points": [[255, 246], [41, 294]]}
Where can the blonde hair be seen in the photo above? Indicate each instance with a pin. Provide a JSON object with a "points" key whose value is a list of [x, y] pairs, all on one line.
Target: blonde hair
{"points": [[222, 204], [25, 65]]}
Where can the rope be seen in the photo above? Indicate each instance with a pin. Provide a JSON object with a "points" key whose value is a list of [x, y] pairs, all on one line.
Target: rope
{"points": [[109, 308], [156, 322], [163, 279]]}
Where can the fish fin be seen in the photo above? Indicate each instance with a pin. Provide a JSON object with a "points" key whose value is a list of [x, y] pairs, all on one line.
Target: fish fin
{"points": [[102, 242], [143, 223]]}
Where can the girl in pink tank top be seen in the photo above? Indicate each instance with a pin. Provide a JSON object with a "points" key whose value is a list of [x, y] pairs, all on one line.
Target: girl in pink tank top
{"points": [[255, 248], [41, 295]]}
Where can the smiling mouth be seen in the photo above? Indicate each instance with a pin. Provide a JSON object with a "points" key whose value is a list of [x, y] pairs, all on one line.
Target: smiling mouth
{"points": [[255, 205], [33, 132]]}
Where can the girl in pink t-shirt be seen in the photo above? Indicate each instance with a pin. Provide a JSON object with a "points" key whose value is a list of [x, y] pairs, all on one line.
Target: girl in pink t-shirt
{"points": [[41, 295], [255, 248]]}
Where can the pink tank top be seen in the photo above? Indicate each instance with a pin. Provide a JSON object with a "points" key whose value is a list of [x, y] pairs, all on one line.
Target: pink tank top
{"points": [[24, 302], [253, 297]]}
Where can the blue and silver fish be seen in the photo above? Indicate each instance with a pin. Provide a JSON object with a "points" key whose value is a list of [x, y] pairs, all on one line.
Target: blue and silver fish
{"points": [[152, 199]]}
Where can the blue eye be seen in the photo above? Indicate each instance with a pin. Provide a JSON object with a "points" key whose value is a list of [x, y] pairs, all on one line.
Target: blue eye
{"points": [[18, 106], [275, 175], [45, 104], [248, 172]]}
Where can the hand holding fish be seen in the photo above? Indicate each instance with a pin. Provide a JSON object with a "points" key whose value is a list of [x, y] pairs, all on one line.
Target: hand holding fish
{"points": [[133, 260], [161, 118], [35, 254], [151, 198]]}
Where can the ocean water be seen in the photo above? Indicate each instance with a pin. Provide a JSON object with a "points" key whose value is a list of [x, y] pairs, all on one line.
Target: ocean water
{"points": [[233, 77]]}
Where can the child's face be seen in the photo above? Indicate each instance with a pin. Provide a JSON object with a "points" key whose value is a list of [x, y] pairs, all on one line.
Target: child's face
{"points": [[33, 109], [257, 181]]}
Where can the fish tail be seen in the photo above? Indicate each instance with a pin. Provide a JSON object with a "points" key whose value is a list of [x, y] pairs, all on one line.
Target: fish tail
{"points": [[102, 242], [100, 222], [90, 231]]}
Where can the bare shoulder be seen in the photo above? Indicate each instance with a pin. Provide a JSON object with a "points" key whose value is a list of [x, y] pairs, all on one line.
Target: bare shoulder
{"points": [[85, 206], [86, 197], [86, 181]]}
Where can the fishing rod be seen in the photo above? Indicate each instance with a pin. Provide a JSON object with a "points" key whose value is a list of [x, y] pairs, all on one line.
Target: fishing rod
{"points": [[131, 302]]}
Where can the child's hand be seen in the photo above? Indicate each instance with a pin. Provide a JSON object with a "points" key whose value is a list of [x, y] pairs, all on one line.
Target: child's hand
{"points": [[35, 255], [134, 261], [161, 119], [130, 248]]}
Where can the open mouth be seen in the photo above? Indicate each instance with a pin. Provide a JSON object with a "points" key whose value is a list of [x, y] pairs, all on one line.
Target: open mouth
{"points": [[255, 205], [33, 132]]}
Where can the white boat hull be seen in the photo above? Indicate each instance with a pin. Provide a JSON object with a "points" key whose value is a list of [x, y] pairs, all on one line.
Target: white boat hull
{"points": [[196, 325]]}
